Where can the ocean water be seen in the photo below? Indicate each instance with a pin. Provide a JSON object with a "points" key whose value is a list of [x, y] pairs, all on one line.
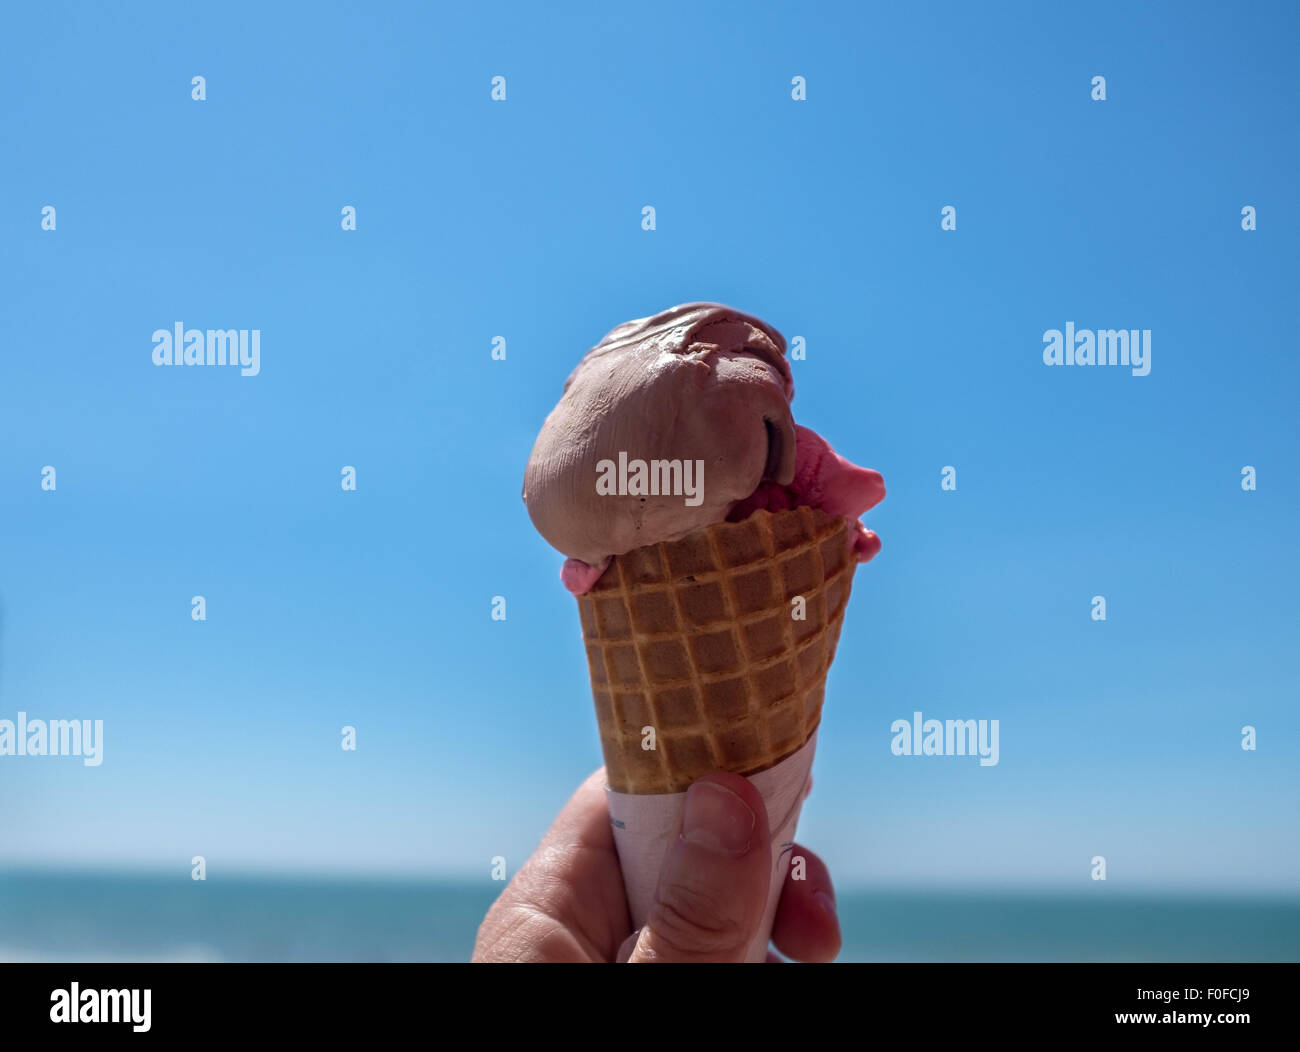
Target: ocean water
{"points": [[60, 916]]}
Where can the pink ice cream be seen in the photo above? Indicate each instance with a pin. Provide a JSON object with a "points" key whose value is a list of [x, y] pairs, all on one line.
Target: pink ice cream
{"points": [[676, 422]]}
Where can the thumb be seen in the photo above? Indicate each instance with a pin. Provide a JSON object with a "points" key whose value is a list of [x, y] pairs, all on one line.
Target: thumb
{"points": [[713, 888]]}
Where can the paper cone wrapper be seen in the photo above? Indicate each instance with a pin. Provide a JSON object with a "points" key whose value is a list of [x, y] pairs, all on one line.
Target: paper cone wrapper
{"points": [[646, 826], [710, 653]]}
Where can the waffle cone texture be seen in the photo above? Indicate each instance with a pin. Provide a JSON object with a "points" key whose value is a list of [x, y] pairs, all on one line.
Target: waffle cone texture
{"points": [[697, 638]]}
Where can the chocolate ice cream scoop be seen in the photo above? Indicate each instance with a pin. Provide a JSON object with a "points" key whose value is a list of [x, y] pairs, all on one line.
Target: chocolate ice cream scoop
{"points": [[664, 427]]}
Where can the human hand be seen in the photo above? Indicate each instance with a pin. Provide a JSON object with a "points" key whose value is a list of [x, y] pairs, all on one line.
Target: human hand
{"points": [[567, 902]]}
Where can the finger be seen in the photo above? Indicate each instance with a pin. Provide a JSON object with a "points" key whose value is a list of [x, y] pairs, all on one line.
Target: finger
{"points": [[567, 901], [807, 927], [713, 887], [625, 950]]}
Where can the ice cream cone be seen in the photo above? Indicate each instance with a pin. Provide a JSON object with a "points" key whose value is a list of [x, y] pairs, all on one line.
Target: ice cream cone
{"points": [[708, 652], [702, 656]]}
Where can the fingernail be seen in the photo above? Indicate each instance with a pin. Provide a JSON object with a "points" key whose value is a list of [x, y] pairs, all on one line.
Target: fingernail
{"points": [[717, 819], [625, 950], [827, 903]]}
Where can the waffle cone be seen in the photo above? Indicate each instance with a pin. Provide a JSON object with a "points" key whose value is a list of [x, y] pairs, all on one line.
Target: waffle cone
{"points": [[697, 638]]}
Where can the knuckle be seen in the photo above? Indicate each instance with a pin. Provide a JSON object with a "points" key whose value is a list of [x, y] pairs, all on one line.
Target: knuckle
{"points": [[688, 921]]}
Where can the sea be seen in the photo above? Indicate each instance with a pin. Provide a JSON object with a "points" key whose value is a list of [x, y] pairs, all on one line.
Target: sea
{"points": [[67, 916]]}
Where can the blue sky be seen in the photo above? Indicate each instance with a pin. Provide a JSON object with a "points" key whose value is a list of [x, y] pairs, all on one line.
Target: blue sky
{"points": [[522, 219]]}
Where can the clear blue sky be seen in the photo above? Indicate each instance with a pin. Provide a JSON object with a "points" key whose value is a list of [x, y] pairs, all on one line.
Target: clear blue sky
{"points": [[522, 219]]}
